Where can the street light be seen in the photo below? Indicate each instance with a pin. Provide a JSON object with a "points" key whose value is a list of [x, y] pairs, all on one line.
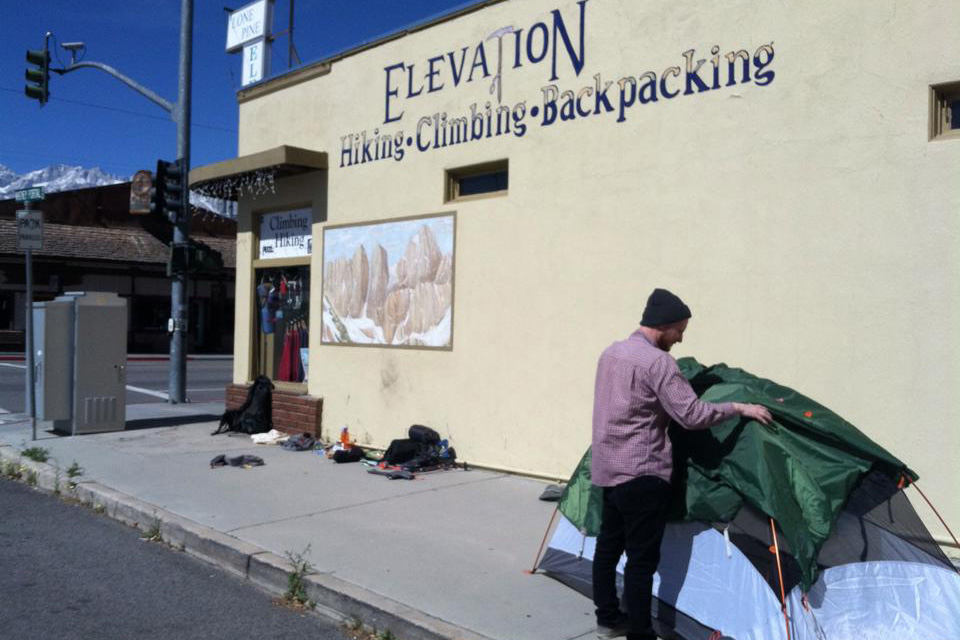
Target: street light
{"points": [[75, 49]]}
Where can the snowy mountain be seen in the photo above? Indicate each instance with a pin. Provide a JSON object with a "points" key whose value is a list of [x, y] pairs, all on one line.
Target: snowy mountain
{"points": [[6, 177], [58, 177], [61, 177]]}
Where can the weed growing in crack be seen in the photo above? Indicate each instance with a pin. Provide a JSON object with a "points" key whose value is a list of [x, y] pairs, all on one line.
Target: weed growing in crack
{"points": [[153, 533], [37, 454], [12, 470], [296, 586], [74, 471], [32, 478], [356, 630]]}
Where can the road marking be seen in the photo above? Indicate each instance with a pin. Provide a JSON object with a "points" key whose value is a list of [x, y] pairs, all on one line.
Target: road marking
{"points": [[149, 392], [160, 394]]}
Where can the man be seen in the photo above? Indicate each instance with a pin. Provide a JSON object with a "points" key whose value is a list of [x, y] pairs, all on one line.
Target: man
{"points": [[639, 389]]}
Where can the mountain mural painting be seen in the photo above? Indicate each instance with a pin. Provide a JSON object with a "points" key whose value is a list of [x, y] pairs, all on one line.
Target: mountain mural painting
{"points": [[389, 283]]}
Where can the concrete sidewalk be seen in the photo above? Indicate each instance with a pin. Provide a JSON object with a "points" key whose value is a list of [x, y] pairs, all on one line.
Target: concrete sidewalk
{"points": [[442, 556]]}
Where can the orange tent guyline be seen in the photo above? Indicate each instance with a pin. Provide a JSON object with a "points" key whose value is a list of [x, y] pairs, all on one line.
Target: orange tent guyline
{"points": [[942, 521], [783, 594], [533, 569]]}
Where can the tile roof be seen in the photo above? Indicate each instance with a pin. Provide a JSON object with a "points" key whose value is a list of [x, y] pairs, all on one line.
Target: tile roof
{"points": [[125, 244]]}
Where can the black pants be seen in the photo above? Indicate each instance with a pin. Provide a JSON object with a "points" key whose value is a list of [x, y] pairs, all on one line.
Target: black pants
{"points": [[634, 517]]}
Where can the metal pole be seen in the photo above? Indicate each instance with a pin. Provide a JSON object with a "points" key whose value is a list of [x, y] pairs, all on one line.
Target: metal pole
{"points": [[166, 105], [179, 310], [31, 400]]}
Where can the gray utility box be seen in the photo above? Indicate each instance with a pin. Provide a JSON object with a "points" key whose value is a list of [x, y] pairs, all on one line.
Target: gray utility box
{"points": [[80, 344]]}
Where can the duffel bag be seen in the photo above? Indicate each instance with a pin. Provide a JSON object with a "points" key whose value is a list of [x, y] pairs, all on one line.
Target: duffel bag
{"points": [[420, 433]]}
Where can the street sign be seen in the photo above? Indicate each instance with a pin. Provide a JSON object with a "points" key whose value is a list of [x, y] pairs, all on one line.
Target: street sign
{"points": [[255, 65], [249, 23], [29, 230], [29, 195], [249, 27]]}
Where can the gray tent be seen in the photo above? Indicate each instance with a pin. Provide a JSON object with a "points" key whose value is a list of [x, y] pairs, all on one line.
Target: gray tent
{"points": [[801, 531]]}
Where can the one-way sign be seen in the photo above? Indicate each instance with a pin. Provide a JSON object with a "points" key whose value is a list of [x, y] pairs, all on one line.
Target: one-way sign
{"points": [[29, 230]]}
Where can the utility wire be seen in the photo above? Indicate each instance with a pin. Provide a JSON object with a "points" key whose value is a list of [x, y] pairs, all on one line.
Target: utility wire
{"points": [[128, 112]]}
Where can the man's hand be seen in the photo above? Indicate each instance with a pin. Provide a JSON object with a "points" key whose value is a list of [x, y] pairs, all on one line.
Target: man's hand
{"points": [[755, 412]]}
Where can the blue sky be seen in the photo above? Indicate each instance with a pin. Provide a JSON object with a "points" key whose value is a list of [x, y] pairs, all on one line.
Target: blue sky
{"points": [[92, 119]]}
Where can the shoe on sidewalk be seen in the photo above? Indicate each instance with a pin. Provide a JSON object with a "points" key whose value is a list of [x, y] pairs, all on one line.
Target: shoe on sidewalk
{"points": [[616, 630]]}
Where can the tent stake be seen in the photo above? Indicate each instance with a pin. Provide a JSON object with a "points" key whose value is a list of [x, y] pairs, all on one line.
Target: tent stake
{"points": [[533, 570], [783, 594], [938, 515]]}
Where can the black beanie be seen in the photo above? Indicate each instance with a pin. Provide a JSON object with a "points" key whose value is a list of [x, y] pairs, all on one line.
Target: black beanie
{"points": [[663, 308]]}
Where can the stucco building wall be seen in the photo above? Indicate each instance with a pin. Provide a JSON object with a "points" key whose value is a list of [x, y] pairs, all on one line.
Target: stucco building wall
{"points": [[809, 223]]}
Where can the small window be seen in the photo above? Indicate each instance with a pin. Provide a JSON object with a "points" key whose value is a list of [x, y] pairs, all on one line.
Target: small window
{"points": [[945, 111], [477, 181]]}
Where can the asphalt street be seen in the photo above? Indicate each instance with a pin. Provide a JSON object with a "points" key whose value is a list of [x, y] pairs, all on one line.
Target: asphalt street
{"points": [[146, 382], [70, 574]]}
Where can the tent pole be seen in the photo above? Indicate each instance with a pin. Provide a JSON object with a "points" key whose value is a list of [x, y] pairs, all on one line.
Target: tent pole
{"points": [[533, 569], [783, 594], [942, 521]]}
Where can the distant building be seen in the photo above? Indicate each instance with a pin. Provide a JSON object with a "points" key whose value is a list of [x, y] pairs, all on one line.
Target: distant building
{"points": [[93, 243]]}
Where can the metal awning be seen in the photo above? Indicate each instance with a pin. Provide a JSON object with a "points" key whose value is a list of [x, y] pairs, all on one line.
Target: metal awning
{"points": [[254, 173]]}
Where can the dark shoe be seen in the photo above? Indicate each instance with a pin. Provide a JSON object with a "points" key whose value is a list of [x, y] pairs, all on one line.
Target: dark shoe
{"points": [[219, 461], [617, 630], [552, 493], [245, 461]]}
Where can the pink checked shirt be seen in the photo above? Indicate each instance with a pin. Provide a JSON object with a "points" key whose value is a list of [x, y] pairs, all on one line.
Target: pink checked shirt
{"points": [[639, 389]]}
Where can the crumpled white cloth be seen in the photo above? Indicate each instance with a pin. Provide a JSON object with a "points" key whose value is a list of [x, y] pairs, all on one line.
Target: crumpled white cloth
{"points": [[270, 437]]}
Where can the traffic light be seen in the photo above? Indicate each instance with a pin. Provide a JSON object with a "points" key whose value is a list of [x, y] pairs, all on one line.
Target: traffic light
{"points": [[204, 259], [179, 261], [38, 78], [193, 257], [167, 194]]}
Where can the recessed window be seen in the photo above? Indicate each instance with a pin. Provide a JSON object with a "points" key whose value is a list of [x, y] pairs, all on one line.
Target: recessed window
{"points": [[945, 111], [281, 297], [281, 348], [477, 181]]}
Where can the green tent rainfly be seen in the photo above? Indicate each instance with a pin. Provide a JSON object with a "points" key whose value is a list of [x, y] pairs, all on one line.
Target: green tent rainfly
{"points": [[799, 471]]}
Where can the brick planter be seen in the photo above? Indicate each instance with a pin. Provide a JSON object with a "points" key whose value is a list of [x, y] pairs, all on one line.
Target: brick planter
{"points": [[292, 412]]}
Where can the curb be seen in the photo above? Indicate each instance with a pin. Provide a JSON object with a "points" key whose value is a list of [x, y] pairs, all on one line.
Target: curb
{"points": [[335, 598]]}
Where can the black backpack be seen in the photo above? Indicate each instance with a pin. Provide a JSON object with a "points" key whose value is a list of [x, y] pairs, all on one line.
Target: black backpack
{"points": [[401, 451], [255, 415], [420, 451]]}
